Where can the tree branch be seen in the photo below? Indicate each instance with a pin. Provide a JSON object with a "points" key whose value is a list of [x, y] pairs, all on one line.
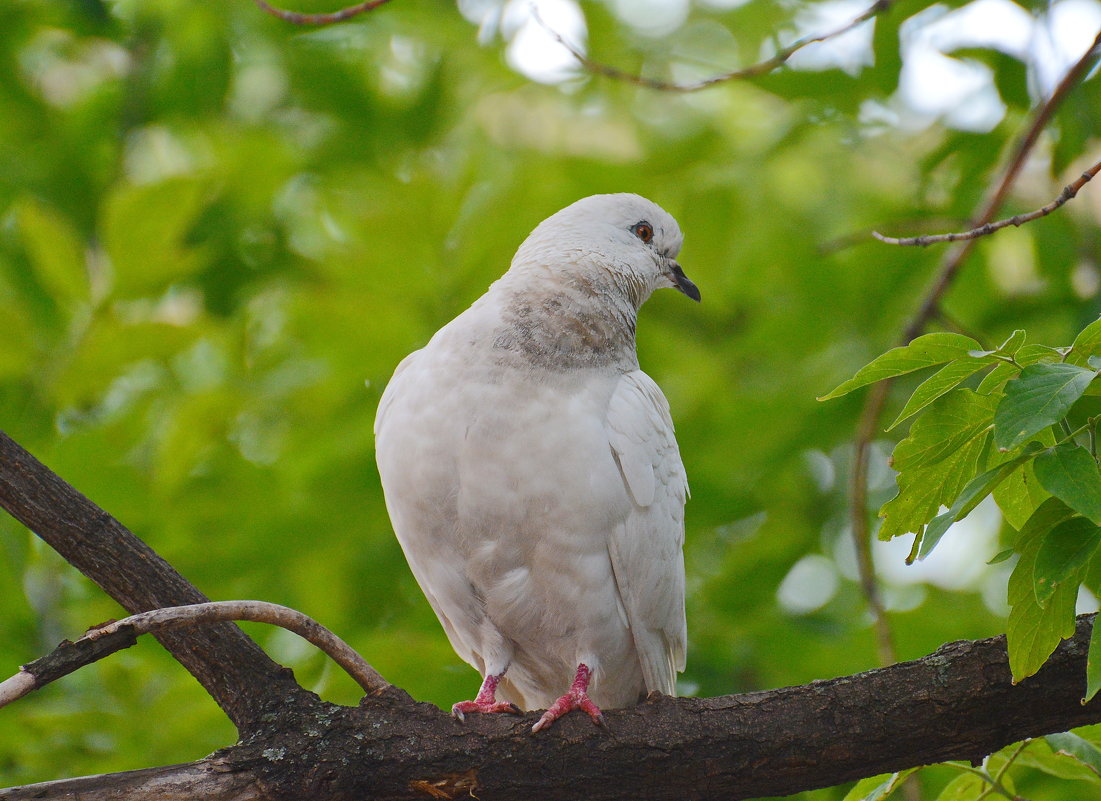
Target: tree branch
{"points": [[752, 71], [958, 703], [101, 641], [1069, 191], [232, 668], [63, 660], [297, 18], [209, 778]]}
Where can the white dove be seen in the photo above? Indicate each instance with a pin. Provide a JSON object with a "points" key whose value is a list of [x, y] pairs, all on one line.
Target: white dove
{"points": [[532, 476]]}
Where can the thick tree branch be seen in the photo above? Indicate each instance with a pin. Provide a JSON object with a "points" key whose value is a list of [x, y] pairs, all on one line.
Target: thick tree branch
{"points": [[959, 703], [104, 640], [1069, 192], [233, 669]]}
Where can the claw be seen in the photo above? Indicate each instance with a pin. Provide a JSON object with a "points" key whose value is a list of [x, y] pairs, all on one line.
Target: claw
{"points": [[460, 709], [486, 702], [576, 698]]}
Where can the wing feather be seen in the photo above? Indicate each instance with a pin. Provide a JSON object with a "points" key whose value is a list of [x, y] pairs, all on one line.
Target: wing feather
{"points": [[647, 548]]}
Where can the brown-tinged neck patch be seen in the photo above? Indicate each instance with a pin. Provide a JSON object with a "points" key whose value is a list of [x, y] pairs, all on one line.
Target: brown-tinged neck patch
{"points": [[566, 330]]}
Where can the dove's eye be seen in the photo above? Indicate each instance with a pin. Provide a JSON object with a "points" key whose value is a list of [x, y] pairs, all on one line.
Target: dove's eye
{"points": [[644, 231]]}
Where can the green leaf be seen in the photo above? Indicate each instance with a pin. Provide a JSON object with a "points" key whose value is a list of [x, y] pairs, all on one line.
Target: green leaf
{"points": [[941, 382], [1038, 398], [1055, 764], [936, 460], [1086, 344], [924, 351], [1069, 473], [1013, 343], [1034, 631], [1029, 354], [1078, 747], [877, 788], [1000, 556], [1093, 665], [965, 787], [1008, 348], [946, 427], [1020, 495], [1065, 549], [922, 491], [970, 497], [1001, 373], [1051, 513], [55, 251]]}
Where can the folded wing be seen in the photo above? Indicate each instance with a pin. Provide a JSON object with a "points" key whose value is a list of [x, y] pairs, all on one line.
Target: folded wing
{"points": [[647, 548]]}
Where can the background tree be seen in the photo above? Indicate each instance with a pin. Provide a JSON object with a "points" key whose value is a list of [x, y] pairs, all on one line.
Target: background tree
{"points": [[217, 226]]}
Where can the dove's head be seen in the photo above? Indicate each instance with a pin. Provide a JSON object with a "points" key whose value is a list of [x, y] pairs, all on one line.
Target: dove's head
{"points": [[619, 243]]}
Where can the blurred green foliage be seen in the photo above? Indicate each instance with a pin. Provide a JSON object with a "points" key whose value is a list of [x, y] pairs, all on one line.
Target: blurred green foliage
{"points": [[219, 234]]}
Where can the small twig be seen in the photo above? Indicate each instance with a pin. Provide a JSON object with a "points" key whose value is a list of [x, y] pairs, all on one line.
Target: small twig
{"points": [[992, 782], [999, 777], [752, 71], [296, 18], [863, 236], [106, 639], [16, 687], [984, 230]]}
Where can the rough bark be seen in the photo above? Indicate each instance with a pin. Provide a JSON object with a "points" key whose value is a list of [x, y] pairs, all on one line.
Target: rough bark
{"points": [[231, 667], [958, 703], [208, 778]]}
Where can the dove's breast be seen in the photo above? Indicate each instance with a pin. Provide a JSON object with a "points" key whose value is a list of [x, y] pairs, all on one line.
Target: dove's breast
{"points": [[503, 491]]}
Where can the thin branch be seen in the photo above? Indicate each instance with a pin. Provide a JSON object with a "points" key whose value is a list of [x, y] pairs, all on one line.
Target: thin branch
{"points": [[1068, 192], [928, 309], [106, 639], [63, 660], [752, 71], [297, 18], [241, 678], [16, 687], [858, 493], [864, 236], [999, 778], [211, 778], [257, 612]]}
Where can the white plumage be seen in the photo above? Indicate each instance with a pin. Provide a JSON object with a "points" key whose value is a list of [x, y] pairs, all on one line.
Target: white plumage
{"points": [[532, 476]]}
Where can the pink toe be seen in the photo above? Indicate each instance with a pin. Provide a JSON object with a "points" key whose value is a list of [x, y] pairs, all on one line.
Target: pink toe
{"points": [[464, 707], [576, 698], [486, 703]]}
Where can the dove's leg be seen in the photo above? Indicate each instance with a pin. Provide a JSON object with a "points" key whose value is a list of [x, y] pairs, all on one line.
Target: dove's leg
{"points": [[576, 698], [486, 701]]}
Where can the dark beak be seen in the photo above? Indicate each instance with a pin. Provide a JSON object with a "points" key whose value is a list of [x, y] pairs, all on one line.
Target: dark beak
{"points": [[683, 284]]}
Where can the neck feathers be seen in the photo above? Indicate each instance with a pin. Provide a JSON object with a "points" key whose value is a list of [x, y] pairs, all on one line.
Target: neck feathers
{"points": [[573, 325]]}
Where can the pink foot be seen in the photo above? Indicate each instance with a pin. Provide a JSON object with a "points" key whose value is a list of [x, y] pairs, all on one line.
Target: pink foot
{"points": [[576, 698], [486, 702]]}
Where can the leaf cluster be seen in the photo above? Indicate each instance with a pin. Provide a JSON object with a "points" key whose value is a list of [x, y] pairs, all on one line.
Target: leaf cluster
{"points": [[1024, 433], [1068, 756]]}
